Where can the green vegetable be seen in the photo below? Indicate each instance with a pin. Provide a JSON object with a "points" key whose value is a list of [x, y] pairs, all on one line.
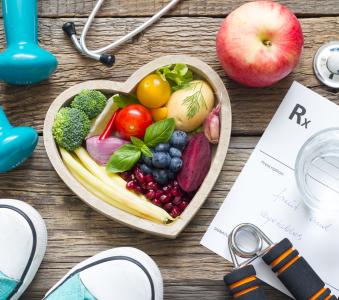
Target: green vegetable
{"points": [[70, 128], [194, 102], [91, 102], [142, 146], [178, 75], [124, 100], [123, 159], [159, 132], [128, 155]]}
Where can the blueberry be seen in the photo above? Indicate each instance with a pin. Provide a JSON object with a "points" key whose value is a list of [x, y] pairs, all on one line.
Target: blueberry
{"points": [[174, 152], [176, 164], [145, 169], [147, 160], [160, 176], [162, 147], [161, 160], [171, 175], [179, 139]]}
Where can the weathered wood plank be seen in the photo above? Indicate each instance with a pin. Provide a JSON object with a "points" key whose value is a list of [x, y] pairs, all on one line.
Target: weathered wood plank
{"points": [[77, 232], [121, 8], [252, 108]]}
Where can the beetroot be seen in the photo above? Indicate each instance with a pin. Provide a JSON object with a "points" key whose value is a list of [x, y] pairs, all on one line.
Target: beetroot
{"points": [[197, 159]]}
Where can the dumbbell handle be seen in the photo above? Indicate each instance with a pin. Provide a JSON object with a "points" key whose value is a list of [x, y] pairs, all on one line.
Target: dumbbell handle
{"points": [[295, 273], [244, 285]]}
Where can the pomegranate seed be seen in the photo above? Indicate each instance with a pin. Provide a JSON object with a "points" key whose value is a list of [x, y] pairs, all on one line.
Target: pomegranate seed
{"points": [[177, 200], [168, 207], [175, 211], [124, 176], [139, 175], [166, 189], [130, 185], [175, 183], [158, 193], [157, 202], [138, 189], [176, 192], [183, 205], [150, 195], [148, 178], [165, 198], [152, 185], [132, 177]]}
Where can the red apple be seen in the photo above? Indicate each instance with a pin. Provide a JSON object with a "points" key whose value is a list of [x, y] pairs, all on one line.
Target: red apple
{"points": [[259, 43]]}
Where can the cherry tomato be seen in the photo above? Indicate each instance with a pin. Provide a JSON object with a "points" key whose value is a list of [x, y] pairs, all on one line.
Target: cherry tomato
{"points": [[153, 91], [133, 120], [159, 113]]}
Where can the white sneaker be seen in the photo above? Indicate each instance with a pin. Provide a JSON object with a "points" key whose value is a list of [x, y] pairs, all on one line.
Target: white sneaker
{"points": [[119, 274], [23, 240]]}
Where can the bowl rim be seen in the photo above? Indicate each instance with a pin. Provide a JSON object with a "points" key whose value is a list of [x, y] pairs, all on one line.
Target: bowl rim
{"points": [[164, 230]]}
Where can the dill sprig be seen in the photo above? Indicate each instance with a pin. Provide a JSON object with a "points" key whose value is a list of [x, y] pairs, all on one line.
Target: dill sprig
{"points": [[194, 102]]}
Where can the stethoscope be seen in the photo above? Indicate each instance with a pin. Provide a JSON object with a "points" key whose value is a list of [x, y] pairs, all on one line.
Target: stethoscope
{"points": [[100, 54], [326, 64]]}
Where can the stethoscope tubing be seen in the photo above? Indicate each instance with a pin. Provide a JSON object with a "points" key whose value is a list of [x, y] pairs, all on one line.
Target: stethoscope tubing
{"points": [[81, 46]]}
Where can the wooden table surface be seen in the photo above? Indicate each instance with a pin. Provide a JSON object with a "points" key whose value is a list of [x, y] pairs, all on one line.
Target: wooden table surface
{"points": [[76, 231]]}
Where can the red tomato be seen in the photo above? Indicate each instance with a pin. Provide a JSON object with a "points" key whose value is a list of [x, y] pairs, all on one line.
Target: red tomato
{"points": [[133, 120]]}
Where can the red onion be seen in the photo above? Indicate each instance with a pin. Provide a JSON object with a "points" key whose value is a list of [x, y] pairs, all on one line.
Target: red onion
{"points": [[101, 150]]}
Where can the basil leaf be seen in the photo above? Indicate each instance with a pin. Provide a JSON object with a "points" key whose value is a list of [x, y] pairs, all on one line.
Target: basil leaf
{"points": [[137, 142], [123, 100], [123, 159], [159, 132], [146, 151]]}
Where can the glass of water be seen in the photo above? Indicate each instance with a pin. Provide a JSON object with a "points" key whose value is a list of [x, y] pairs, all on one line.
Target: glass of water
{"points": [[317, 172]]}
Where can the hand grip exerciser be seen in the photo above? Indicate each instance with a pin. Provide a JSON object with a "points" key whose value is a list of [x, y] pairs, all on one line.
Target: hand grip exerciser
{"points": [[23, 62], [292, 269], [16, 143]]}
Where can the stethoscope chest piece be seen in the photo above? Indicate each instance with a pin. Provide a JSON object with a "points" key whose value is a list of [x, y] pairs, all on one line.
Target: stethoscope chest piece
{"points": [[326, 64]]}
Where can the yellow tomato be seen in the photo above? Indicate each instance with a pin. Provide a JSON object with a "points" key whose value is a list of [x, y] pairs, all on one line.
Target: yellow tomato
{"points": [[159, 114], [153, 91]]}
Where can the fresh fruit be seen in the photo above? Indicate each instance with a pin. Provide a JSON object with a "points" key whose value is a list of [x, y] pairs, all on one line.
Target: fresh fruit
{"points": [[168, 196], [175, 164], [133, 120], [259, 43], [146, 169], [179, 139], [197, 159], [161, 160], [162, 147], [159, 113], [160, 176], [153, 91], [190, 105], [174, 152]]}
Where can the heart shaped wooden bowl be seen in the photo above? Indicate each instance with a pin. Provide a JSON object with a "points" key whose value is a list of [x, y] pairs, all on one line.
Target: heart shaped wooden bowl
{"points": [[109, 87]]}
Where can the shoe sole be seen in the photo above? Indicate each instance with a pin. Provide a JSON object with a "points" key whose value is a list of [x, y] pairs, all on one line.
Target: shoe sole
{"points": [[39, 235]]}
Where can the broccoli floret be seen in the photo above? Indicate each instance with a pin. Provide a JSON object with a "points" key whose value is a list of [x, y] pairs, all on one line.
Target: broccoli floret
{"points": [[90, 101], [70, 128]]}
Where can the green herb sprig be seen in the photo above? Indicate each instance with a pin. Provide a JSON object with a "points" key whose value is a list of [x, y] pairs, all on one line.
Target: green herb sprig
{"points": [[194, 102], [128, 155]]}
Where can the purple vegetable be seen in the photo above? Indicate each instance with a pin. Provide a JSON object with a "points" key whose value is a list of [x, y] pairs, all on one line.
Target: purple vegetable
{"points": [[197, 159], [101, 150], [212, 125]]}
